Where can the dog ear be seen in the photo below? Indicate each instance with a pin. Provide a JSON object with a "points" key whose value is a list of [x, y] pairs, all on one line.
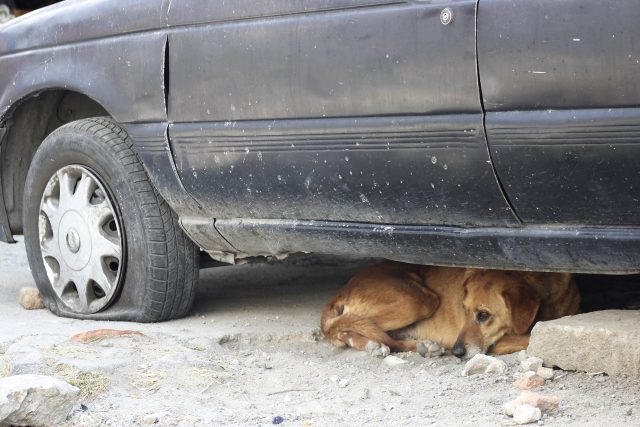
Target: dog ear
{"points": [[471, 273], [523, 303]]}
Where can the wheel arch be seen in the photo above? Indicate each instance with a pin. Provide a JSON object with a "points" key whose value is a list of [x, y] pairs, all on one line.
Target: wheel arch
{"points": [[24, 126]]}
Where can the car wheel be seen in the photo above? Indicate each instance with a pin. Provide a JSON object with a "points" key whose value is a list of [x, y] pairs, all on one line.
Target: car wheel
{"points": [[101, 242]]}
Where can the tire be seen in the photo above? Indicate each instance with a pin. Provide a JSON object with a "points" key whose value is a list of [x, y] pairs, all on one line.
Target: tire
{"points": [[101, 242]]}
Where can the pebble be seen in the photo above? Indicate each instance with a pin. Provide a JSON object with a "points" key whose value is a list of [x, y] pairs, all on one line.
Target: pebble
{"points": [[343, 383], [546, 373], [392, 360], [531, 363], [483, 364], [30, 299], [529, 380], [150, 419], [544, 403], [156, 418], [525, 414]]}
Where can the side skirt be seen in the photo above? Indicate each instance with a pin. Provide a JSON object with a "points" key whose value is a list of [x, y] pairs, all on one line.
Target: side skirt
{"points": [[579, 250]]}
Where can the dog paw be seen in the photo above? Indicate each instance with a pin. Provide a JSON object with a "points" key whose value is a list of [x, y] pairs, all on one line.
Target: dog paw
{"points": [[376, 349], [429, 348]]}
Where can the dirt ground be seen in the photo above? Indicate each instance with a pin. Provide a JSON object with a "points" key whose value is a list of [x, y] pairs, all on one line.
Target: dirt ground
{"points": [[251, 354]]}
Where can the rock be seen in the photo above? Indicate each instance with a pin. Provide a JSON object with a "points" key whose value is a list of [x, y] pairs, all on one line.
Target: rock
{"points": [[160, 417], [529, 380], [546, 373], [392, 360], [35, 400], [30, 299], [483, 364], [150, 419], [525, 414], [531, 363], [601, 341], [546, 404], [522, 355], [343, 383], [98, 334]]}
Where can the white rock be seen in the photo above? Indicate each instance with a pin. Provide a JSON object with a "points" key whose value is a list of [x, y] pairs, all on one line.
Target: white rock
{"points": [[525, 414], [545, 403], [392, 360], [483, 364], [531, 363], [522, 355], [343, 383], [35, 400], [150, 419], [546, 373]]}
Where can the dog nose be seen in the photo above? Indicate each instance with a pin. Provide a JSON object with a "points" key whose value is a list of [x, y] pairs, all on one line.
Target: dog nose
{"points": [[458, 351]]}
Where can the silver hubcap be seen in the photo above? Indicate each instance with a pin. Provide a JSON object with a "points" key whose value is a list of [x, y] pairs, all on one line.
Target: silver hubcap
{"points": [[80, 240]]}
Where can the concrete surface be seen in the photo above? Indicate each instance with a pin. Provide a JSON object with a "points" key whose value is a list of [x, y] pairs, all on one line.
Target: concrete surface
{"points": [[603, 341]]}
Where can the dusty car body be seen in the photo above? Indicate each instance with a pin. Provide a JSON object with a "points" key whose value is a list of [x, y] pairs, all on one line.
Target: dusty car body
{"points": [[491, 133]]}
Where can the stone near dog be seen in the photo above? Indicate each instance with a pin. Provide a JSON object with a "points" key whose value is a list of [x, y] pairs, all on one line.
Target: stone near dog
{"points": [[98, 334], [35, 400], [30, 299], [392, 360], [529, 380], [602, 330], [546, 373], [526, 414], [531, 363], [483, 364], [545, 403]]}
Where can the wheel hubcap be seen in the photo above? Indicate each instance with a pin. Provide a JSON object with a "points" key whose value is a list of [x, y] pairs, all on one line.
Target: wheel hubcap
{"points": [[80, 240]]}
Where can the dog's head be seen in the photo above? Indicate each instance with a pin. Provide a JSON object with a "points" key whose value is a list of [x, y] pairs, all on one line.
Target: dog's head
{"points": [[496, 303]]}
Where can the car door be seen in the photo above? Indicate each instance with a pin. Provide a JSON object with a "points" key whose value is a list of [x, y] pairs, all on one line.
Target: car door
{"points": [[560, 87], [342, 110]]}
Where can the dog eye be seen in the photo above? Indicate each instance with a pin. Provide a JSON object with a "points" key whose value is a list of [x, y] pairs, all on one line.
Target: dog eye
{"points": [[482, 316]]}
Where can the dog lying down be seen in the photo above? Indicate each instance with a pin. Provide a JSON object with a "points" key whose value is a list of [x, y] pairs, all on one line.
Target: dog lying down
{"points": [[404, 307]]}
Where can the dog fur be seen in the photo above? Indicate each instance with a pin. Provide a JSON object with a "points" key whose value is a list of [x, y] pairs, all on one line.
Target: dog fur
{"points": [[406, 307]]}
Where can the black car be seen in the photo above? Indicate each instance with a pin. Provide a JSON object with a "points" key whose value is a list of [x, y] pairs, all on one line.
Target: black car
{"points": [[491, 133]]}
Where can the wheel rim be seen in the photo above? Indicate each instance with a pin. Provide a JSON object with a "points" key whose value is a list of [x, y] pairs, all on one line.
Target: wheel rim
{"points": [[80, 240]]}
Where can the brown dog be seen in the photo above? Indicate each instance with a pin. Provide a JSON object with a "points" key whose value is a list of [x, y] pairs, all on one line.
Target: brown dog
{"points": [[405, 307]]}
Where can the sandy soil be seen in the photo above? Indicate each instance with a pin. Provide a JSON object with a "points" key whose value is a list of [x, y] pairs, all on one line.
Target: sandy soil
{"points": [[251, 354]]}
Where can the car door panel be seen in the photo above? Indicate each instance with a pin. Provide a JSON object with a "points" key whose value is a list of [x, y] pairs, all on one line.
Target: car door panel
{"points": [[560, 86], [362, 113]]}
